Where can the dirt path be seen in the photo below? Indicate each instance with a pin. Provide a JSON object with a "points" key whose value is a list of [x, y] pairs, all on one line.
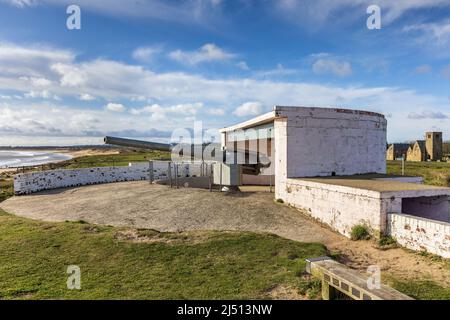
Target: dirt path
{"points": [[140, 205]]}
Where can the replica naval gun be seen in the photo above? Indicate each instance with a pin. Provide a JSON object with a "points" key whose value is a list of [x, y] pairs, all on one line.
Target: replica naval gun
{"points": [[247, 162]]}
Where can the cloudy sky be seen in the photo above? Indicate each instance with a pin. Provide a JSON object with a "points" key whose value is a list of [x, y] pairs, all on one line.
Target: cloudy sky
{"points": [[144, 68]]}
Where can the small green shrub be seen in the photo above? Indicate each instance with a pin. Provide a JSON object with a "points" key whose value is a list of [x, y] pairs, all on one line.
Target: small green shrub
{"points": [[280, 200], [387, 241], [359, 232]]}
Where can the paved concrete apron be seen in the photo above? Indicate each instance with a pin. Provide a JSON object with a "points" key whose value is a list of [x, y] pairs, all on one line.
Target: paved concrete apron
{"points": [[140, 205]]}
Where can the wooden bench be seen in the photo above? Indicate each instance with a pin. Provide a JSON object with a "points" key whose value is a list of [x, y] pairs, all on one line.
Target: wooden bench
{"points": [[338, 278]]}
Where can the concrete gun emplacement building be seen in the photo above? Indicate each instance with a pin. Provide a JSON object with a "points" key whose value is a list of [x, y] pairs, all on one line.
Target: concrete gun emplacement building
{"points": [[331, 163]]}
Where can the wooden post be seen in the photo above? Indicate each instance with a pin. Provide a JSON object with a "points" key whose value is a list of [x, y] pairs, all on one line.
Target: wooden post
{"points": [[328, 292], [403, 165]]}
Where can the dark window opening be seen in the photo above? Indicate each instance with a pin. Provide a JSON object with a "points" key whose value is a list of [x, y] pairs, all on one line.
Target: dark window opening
{"points": [[434, 208]]}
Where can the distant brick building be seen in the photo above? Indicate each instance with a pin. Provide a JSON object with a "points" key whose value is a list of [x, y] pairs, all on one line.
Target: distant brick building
{"points": [[428, 149], [397, 151], [417, 151], [434, 145]]}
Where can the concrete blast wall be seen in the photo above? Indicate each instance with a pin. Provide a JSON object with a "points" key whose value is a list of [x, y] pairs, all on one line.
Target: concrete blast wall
{"points": [[420, 234], [27, 183], [339, 207]]}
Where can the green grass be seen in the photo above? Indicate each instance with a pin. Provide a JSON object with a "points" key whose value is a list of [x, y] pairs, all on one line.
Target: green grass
{"points": [[213, 265], [6, 189], [121, 159], [424, 290], [35, 255], [387, 241], [435, 173]]}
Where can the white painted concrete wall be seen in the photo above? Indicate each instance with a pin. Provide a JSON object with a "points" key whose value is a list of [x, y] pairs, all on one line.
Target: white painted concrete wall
{"points": [[322, 141], [420, 234], [342, 207], [339, 207], [27, 183]]}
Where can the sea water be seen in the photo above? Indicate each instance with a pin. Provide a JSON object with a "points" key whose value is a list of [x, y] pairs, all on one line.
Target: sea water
{"points": [[10, 158]]}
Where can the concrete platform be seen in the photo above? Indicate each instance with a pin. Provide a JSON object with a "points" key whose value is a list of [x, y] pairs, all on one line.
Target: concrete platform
{"points": [[343, 202], [378, 183]]}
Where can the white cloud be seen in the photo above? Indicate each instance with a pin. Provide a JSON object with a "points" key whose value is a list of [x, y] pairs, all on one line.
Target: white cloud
{"points": [[146, 54], [22, 3], [159, 112], [116, 81], [215, 111], [64, 123], [428, 115], [248, 109], [36, 81], [44, 94], [70, 76], [330, 66], [86, 97], [202, 13], [437, 33], [321, 12], [115, 107], [207, 53], [279, 71], [33, 62], [243, 65]]}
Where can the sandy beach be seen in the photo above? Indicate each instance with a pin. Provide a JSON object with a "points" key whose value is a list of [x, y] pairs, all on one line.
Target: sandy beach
{"points": [[73, 152]]}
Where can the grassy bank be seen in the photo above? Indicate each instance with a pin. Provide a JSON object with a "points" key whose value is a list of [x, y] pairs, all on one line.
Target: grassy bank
{"points": [[123, 158], [145, 264], [435, 173], [421, 289], [197, 265], [6, 188]]}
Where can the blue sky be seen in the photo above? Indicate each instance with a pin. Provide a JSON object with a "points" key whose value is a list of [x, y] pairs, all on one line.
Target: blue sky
{"points": [[144, 68]]}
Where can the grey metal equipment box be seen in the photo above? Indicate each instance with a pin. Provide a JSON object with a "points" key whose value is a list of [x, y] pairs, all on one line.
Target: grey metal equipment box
{"points": [[227, 174]]}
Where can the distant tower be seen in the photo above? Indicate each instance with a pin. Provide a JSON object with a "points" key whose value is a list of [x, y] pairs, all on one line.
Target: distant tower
{"points": [[433, 145]]}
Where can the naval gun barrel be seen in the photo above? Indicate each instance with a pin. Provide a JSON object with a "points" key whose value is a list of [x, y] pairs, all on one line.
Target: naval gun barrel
{"points": [[131, 143], [262, 161]]}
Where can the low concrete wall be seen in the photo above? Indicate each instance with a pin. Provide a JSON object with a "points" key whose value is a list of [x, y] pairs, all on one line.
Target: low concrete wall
{"points": [[27, 183], [339, 207], [420, 234]]}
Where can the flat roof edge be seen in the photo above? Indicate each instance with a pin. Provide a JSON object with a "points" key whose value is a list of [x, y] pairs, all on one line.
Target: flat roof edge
{"points": [[330, 109], [277, 112], [264, 118]]}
